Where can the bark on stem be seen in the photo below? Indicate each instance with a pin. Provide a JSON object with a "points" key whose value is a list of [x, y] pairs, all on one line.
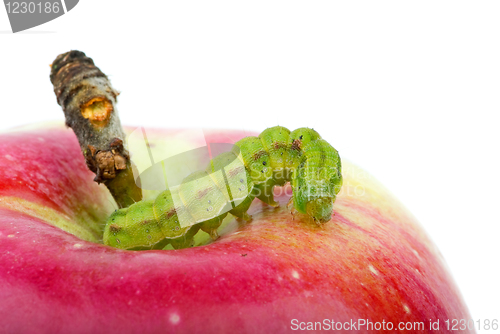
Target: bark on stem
{"points": [[88, 101]]}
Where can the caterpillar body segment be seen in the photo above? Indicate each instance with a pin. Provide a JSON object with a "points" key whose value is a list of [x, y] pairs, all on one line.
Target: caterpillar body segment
{"points": [[297, 140], [318, 181], [145, 223], [256, 160], [275, 142], [229, 184], [229, 173]]}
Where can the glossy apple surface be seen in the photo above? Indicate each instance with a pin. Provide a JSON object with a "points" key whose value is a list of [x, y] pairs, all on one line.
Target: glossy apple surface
{"points": [[372, 261]]}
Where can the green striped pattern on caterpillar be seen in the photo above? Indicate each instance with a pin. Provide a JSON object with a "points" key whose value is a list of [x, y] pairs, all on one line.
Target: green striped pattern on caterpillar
{"points": [[229, 184]]}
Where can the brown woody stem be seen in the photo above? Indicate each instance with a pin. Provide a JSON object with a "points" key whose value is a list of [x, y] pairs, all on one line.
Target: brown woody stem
{"points": [[89, 104]]}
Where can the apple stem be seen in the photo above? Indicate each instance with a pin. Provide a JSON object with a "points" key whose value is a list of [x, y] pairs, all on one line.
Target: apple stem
{"points": [[89, 104]]}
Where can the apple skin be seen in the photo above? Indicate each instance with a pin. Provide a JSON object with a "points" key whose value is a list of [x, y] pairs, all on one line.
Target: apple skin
{"points": [[372, 261]]}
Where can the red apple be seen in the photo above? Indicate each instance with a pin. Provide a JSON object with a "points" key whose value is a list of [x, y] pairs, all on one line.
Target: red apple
{"points": [[372, 263]]}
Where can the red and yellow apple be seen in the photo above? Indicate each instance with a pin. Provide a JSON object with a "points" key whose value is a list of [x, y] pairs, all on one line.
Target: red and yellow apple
{"points": [[372, 263]]}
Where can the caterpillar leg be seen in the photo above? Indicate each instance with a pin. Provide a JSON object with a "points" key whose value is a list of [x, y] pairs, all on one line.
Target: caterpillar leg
{"points": [[291, 208], [187, 240], [211, 226], [269, 200], [317, 221], [245, 217], [264, 192], [240, 211]]}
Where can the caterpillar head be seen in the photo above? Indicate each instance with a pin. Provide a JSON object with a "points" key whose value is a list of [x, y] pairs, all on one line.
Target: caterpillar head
{"points": [[320, 209]]}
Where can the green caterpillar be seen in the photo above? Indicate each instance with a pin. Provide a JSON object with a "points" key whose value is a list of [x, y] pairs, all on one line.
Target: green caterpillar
{"points": [[229, 184]]}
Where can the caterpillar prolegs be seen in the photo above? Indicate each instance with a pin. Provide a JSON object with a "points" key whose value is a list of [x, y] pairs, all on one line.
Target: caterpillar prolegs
{"points": [[229, 184]]}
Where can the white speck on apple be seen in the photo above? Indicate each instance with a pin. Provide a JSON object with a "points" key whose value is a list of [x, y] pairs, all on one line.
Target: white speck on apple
{"points": [[174, 318], [373, 270], [295, 274]]}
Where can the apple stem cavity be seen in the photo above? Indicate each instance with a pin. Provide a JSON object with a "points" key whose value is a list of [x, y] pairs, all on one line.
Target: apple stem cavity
{"points": [[89, 104]]}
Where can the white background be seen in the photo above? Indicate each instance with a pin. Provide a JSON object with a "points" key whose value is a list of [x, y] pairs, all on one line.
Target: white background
{"points": [[409, 91]]}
